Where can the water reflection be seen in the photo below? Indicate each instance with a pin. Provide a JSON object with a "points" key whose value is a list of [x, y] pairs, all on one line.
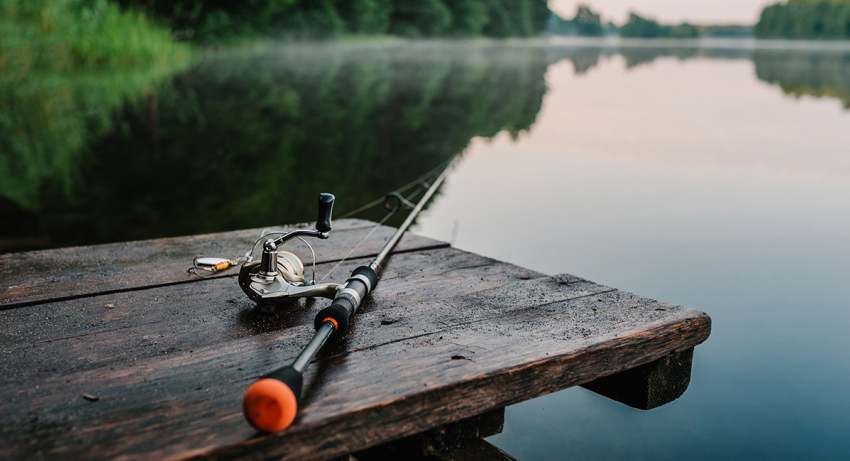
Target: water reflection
{"points": [[246, 139], [684, 178], [796, 72]]}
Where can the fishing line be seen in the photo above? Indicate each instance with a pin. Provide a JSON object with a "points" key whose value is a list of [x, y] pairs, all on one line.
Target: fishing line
{"points": [[416, 182], [372, 231], [420, 181], [392, 212], [208, 266]]}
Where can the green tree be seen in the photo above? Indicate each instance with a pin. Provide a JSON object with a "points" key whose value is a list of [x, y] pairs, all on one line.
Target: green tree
{"points": [[640, 27], [684, 30], [415, 18], [366, 16], [805, 19], [587, 21], [214, 20], [469, 16]]}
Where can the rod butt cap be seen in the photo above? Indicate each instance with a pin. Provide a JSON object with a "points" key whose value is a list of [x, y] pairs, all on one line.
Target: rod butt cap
{"points": [[269, 405]]}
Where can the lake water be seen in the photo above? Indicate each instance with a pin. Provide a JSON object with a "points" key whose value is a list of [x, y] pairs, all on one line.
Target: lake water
{"points": [[713, 176]]}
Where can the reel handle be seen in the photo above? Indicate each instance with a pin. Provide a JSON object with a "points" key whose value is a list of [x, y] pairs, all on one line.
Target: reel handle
{"points": [[326, 207]]}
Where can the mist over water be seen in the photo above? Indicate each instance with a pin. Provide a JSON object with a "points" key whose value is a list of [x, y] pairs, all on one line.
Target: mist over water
{"points": [[716, 177]]}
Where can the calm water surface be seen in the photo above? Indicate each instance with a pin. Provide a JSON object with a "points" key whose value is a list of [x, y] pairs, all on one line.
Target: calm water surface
{"points": [[718, 179], [694, 182]]}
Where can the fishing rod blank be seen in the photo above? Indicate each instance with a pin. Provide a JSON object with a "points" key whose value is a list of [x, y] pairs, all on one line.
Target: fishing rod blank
{"points": [[271, 403]]}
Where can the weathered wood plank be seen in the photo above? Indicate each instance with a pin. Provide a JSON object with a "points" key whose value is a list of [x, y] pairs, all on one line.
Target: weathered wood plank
{"points": [[68, 273], [651, 385], [62, 337], [407, 367]]}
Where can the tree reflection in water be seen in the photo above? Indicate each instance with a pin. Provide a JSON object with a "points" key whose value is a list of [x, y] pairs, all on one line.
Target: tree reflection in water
{"points": [[247, 139]]}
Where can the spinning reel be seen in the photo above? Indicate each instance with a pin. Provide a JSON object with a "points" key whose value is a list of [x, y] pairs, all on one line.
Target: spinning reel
{"points": [[279, 277]]}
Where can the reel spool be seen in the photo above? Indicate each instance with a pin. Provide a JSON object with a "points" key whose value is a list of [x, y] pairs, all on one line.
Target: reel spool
{"points": [[289, 267]]}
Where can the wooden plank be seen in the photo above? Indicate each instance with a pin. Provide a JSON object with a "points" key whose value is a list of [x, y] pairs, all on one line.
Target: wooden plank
{"points": [[63, 337], [651, 385], [423, 352], [68, 273]]}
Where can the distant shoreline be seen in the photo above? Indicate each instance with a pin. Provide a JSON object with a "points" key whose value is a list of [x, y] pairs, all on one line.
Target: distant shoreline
{"points": [[706, 43]]}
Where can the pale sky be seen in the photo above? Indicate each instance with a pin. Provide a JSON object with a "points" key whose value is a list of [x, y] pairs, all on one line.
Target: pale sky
{"points": [[671, 11]]}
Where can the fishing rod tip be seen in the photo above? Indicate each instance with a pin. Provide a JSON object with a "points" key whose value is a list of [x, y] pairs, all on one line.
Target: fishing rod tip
{"points": [[269, 405]]}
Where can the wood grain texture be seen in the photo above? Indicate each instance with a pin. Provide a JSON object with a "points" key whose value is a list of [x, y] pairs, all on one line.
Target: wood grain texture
{"points": [[62, 337], [68, 273], [446, 335]]}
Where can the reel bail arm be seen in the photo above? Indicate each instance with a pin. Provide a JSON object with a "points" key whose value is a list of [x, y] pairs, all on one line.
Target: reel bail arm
{"points": [[268, 263]]}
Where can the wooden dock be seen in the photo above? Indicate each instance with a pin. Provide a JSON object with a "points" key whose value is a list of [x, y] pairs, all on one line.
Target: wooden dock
{"points": [[114, 351]]}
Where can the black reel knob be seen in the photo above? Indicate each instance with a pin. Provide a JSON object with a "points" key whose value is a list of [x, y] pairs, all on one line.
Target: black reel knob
{"points": [[326, 207]]}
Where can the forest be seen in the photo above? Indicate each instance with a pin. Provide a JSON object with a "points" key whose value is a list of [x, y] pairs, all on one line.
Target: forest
{"points": [[61, 35], [588, 23], [640, 27], [806, 19], [794, 19], [212, 20]]}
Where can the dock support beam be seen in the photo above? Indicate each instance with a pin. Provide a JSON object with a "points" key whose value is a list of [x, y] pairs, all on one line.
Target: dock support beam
{"points": [[648, 386], [645, 387], [459, 441]]}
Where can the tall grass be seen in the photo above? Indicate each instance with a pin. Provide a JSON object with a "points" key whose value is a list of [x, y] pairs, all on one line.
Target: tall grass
{"points": [[66, 66], [57, 35]]}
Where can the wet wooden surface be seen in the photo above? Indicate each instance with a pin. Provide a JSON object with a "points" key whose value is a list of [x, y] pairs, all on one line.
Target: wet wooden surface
{"points": [[67, 273], [153, 369]]}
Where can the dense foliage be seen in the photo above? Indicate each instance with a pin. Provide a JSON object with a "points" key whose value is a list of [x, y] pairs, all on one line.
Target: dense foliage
{"points": [[640, 27], [212, 20], [806, 19], [56, 35], [586, 23], [726, 31]]}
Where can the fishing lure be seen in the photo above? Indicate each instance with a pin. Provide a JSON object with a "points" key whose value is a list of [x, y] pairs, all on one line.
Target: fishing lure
{"points": [[212, 264]]}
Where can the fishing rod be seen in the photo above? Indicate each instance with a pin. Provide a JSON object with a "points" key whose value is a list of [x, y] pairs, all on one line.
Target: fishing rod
{"points": [[271, 403]]}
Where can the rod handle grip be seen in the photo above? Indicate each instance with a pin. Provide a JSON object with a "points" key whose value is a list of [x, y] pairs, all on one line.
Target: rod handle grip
{"points": [[326, 207], [271, 403], [338, 313], [346, 303]]}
